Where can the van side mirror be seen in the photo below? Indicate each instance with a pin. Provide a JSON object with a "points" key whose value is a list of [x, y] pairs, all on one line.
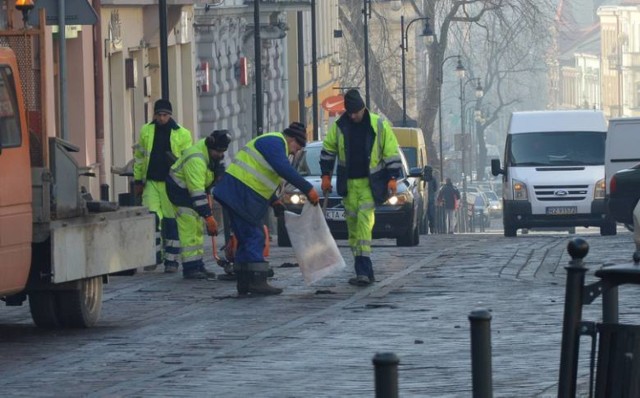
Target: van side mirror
{"points": [[415, 172], [495, 167], [427, 173]]}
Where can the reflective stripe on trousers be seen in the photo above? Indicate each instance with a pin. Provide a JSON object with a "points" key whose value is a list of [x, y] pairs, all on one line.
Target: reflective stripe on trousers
{"points": [[155, 198], [190, 231], [360, 214]]}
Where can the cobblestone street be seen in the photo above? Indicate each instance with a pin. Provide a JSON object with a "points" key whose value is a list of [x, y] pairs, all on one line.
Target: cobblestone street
{"points": [[160, 335]]}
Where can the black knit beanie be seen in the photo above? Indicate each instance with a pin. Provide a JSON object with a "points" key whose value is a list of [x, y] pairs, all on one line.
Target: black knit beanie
{"points": [[298, 131], [353, 101]]}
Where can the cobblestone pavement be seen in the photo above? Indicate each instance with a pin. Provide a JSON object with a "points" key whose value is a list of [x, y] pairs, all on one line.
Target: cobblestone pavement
{"points": [[160, 335]]}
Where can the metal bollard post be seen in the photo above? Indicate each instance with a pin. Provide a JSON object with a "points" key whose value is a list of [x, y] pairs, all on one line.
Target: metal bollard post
{"points": [[104, 192], [386, 375], [578, 249], [481, 353]]}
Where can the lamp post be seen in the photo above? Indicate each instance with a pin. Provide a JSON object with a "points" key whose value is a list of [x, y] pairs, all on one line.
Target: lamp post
{"points": [[463, 139], [366, 11], [479, 93], [460, 72], [404, 46]]}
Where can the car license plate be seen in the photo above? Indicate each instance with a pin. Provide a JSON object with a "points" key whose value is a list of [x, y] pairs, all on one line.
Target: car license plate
{"points": [[562, 210], [335, 215]]}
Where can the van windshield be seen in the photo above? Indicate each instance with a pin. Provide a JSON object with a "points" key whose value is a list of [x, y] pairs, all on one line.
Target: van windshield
{"points": [[412, 156], [562, 148]]}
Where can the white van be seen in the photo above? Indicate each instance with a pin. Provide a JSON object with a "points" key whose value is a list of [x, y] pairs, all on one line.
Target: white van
{"points": [[621, 149], [553, 175]]}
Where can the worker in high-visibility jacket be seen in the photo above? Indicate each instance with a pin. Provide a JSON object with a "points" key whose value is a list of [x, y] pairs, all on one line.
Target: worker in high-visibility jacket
{"points": [[161, 142], [248, 189], [188, 184], [368, 165]]}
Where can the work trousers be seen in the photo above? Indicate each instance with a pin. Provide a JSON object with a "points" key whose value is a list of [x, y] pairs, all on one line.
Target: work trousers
{"points": [[154, 197], [251, 239], [360, 214], [191, 233]]}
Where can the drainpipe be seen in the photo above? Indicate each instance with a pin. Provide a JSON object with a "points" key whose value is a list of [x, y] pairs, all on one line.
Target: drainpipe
{"points": [[99, 93]]}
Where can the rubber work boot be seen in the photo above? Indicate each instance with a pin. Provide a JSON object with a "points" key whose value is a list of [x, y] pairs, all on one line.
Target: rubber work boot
{"points": [[242, 278], [171, 267], [208, 273], [364, 272], [257, 276]]}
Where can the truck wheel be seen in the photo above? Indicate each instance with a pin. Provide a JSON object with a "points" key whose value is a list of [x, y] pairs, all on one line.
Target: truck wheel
{"points": [[81, 308], [608, 228], [44, 309], [283, 235]]}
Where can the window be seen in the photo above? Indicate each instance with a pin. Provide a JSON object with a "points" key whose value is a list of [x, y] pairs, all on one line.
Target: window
{"points": [[9, 113]]}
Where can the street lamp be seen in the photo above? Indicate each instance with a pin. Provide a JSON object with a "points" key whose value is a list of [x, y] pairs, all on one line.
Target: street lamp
{"points": [[366, 12], [460, 73], [427, 33], [462, 137], [479, 93]]}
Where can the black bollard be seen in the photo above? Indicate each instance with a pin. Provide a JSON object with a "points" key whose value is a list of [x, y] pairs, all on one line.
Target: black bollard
{"points": [[481, 353], [578, 249], [386, 374], [104, 192]]}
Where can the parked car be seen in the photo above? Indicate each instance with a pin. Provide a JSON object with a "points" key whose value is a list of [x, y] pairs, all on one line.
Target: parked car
{"points": [[398, 218], [495, 204], [624, 193], [480, 205]]}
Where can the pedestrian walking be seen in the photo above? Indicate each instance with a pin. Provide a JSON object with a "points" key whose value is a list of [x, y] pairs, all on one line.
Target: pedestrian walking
{"points": [[188, 186], [448, 198], [248, 189], [432, 192], [368, 165], [161, 142]]}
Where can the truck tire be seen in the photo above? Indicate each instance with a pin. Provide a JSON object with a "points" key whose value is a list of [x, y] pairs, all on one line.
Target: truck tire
{"points": [[81, 308], [283, 235], [44, 309]]}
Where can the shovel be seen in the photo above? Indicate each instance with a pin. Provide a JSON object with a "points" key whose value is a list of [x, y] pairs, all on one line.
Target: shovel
{"points": [[325, 201]]}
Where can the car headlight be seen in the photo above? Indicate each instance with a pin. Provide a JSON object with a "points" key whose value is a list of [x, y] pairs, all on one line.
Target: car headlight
{"points": [[598, 192], [519, 190], [293, 198], [399, 199]]}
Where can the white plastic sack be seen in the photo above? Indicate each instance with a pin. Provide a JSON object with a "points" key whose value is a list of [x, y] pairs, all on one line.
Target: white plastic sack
{"points": [[315, 249]]}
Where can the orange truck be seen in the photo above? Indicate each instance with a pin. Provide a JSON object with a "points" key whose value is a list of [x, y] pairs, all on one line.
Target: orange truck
{"points": [[57, 247]]}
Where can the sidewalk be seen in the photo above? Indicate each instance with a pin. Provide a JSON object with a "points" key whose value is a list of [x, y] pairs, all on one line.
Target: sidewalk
{"points": [[163, 336]]}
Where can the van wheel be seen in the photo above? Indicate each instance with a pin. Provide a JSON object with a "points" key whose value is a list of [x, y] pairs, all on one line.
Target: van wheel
{"points": [[283, 235], [608, 228], [510, 231]]}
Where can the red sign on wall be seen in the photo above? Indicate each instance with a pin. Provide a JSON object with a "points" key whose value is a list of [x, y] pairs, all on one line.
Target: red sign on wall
{"points": [[202, 77], [244, 75]]}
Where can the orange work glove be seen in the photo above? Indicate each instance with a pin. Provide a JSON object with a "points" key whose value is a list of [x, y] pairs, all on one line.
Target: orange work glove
{"points": [[138, 187], [392, 186], [212, 226], [326, 184], [313, 197]]}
